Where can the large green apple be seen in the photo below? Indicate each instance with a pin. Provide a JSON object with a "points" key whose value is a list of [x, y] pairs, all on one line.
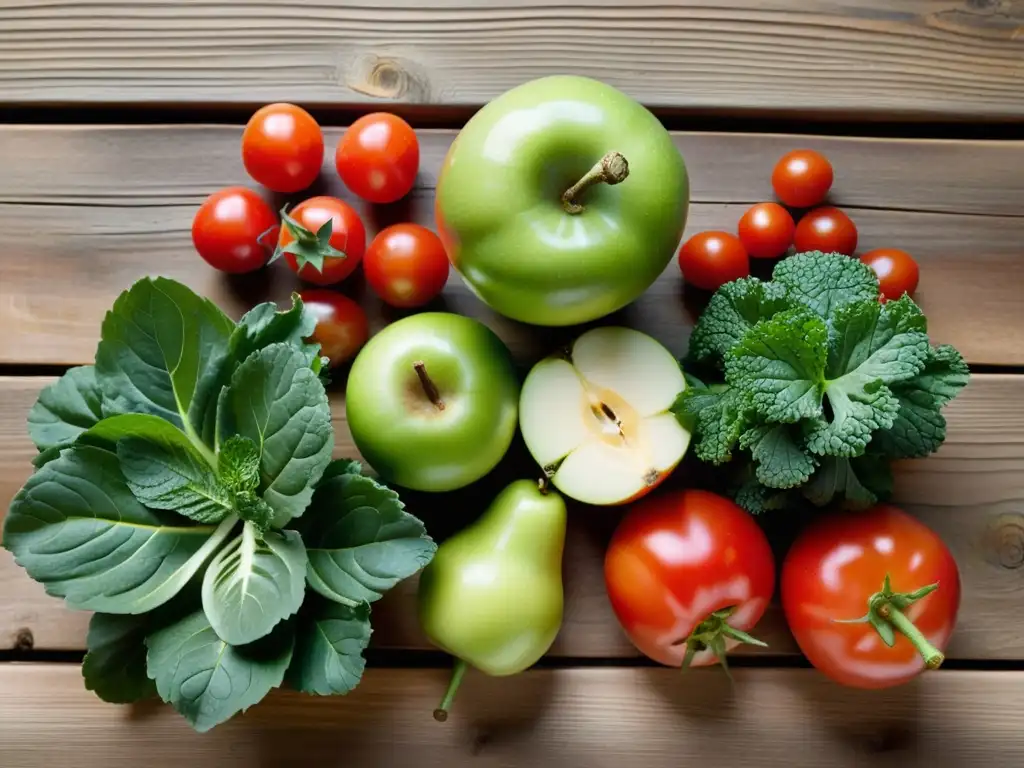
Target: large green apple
{"points": [[532, 241], [432, 401]]}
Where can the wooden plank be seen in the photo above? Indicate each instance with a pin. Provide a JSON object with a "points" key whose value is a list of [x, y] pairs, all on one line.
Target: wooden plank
{"points": [[575, 718], [117, 204], [970, 492], [951, 59]]}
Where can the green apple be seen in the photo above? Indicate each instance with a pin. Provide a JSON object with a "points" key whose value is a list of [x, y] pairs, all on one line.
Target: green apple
{"points": [[561, 201], [432, 401]]}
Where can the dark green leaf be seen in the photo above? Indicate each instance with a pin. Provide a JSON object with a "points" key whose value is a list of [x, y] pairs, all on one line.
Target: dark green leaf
{"points": [[264, 325], [115, 665], [861, 482], [65, 409], [732, 311], [717, 415], [825, 281], [779, 455], [255, 510], [341, 467], [238, 464], [328, 658]]}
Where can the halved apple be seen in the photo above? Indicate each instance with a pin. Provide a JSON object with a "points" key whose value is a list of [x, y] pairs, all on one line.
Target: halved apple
{"points": [[598, 421]]}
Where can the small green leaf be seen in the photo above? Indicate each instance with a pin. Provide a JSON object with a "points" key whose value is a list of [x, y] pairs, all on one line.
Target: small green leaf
{"points": [[255, 510], [883, 628], [341, 467], [733, 310], [328, 657], [238, 464], [823, 282], [114, 667], [857, 481], [738, 634], [323, 235], [718, 415], [779, 455], [264, 325], [65, 409]]}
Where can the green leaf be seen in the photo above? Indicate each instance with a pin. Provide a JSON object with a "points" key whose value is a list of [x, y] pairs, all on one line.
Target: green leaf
{"points": [[857, 412], [254, 583], [780, 366], [860, 482], [77, 529], [279, 403], [115, 666], [328, 658], [341, 467], [360, 540], [758, 499], [173, 478], [107, 432], [779, 454], [883, 628], [255, 510], [920, 428], [733, 310], [718, 415], [65, 409], [209, 681], [264, 325], [161, 353], [823, 282], [238, 464]]}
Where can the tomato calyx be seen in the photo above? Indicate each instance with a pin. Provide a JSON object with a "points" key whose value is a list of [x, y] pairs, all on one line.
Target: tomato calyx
{"points": [[308, 247], [885, 615], [711, 634]]}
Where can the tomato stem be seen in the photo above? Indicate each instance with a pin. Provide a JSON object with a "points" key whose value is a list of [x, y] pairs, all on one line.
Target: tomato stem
{"points": [[610, 169], [933, 657], [458, 671]]}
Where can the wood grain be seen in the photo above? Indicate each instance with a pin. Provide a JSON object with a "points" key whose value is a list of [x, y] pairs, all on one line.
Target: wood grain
{"points": [[914, 58], [971, 492], [572, 718], [116, 204]]}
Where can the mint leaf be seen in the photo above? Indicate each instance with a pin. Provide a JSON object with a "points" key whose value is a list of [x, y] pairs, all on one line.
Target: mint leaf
{"points": [[823, 282], [65, 409], [114, 667], [780, 366], [238, 464], [360, 540], [779, 454], [861, 482], [328, 658], [719, 413], [161, 353], [276, 401], [264, 325], [732, 311], [77, 529], [209, 681], [920, 428]]}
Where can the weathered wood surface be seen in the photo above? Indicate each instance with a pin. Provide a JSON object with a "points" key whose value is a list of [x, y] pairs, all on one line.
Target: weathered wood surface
{"points": [[571, 718], [96, 208], [971, 493], [870, 59]]}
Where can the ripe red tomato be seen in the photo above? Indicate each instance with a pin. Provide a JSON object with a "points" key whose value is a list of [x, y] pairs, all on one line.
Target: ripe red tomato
{"points": [[712, 259], [406, 265], [303, 250], [378, 157], [826, 229], [677, 558], [802, 178], [283, 147], [229, 228], [835, 567], [766, 230], [341, 325], [897, 271]]}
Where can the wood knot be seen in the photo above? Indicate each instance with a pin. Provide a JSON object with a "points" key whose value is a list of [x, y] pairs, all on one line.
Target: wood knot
{"points": [[386, 78], [1004, 541], [23, 640]]}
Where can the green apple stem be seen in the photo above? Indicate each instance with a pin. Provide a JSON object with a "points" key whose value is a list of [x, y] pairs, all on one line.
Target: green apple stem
{"points": [[610, 169], [429, 387], [441, 713]]}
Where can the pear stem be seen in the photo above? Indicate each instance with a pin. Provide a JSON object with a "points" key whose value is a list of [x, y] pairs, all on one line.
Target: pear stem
{"points": [[429, 387], [610, 169], [441, 713]]}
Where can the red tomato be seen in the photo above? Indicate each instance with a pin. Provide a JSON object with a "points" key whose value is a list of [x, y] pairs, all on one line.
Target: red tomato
{"points": [[378, 157], [897, 271], [802, 178], [766, 230], [347, 242], [711, 259], [834, 568], [283, 147], [826, 229], [341, 326], [678, 557], [228, 230], [406, 265]]}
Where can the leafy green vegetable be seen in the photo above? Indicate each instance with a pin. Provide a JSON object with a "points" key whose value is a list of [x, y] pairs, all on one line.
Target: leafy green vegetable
{"points": [[823, 385], [115, 666], [329, 653], [264, 325], [65, 409]]}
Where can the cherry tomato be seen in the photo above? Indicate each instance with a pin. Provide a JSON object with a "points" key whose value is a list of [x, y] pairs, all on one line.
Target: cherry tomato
{"points": [[378, 157], [341, 326], [346, 244], [406, 265], [677, 558], [711, 259], [802, 178], [229, 228], [766, 230], [897, 271], [283, 147], [835, 567], [826, 229]]}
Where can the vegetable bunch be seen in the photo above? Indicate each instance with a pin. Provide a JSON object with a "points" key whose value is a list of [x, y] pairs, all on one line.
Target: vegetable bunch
{"points": [[815, 384], [185, 491]]}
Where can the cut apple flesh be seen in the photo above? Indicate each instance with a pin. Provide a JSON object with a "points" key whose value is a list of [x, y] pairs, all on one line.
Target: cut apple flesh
{"points": [[598, 422]]}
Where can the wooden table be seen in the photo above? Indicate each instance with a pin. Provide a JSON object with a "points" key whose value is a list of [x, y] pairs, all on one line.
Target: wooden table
{"points": [[120, 117]]}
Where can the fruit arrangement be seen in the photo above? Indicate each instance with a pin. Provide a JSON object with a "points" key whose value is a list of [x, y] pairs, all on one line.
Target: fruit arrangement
{"points": [[186, 491]]}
